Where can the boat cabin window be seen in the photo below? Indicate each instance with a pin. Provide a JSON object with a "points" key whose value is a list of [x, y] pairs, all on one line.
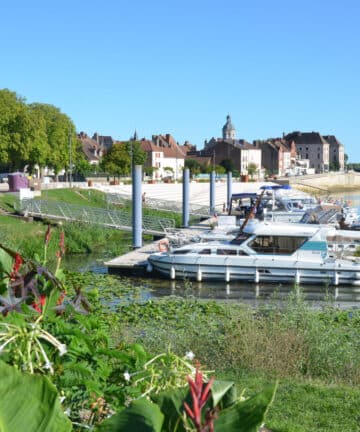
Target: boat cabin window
{"points": [[180, 251], [276, 244], [205, 252], [226, 252]]}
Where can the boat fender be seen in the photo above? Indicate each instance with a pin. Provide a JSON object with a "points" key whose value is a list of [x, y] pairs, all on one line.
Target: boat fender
{"points": [[199, 275], [164, 245], [227, 275], [149, 267], [172, 273]]}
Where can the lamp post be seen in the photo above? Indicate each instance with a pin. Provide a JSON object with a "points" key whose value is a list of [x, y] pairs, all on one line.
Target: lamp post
{"points": [[70, 161]]}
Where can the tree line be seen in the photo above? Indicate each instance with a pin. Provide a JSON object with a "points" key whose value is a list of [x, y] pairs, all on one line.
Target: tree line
{"points": [[36, 134]]}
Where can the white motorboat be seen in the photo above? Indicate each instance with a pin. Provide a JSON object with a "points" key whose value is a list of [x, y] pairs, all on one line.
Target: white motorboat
{"points": [[262, 252]]}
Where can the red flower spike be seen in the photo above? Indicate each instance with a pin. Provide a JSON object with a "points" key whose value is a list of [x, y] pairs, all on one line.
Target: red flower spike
{"points": [[16, 266], [47, 235], [199, 398], [206, 391], [62, 244], [38, 306]]}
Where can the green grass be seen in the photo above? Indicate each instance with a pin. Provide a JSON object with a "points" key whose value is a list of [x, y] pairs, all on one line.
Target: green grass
{"points": [[304, 405], [315, 354], [85, 197], [8, 202]]}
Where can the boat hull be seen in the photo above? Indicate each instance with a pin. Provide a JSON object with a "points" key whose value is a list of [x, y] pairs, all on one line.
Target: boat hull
{"points": [[238, 269]]}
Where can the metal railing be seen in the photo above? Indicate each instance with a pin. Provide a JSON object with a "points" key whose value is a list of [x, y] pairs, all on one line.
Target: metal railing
{"points": [[119, 219]]}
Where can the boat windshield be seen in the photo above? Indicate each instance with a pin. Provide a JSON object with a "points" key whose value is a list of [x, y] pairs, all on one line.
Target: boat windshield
{"points": [[276, 244], [240, 238]]}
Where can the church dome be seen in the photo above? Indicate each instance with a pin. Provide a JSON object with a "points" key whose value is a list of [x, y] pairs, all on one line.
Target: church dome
{"points": [[228, 129]]}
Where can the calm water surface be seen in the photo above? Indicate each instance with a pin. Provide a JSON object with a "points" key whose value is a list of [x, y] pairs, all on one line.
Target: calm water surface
{"points": [[254, 294]]}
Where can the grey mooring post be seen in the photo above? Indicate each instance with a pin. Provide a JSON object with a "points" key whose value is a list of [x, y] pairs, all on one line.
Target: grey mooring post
{"points": [[136, 207], [212, 193], [186, 194], [229, 188]]}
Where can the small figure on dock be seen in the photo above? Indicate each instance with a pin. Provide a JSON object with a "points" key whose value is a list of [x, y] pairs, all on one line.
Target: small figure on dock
{"points": [[143, 197]]}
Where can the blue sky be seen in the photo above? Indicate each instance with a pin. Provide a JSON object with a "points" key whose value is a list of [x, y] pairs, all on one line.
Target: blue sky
{"points": [[180, 67]]}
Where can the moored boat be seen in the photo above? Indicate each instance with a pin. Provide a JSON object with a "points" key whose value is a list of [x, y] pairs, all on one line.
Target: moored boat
{"points": [[261, 252]]}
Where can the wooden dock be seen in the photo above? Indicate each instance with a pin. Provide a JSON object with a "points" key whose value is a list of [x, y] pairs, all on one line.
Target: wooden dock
{"points": [[135, 262]]}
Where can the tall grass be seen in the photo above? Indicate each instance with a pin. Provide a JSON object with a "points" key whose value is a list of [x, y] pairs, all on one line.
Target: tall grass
{"points": [[292, 341]]}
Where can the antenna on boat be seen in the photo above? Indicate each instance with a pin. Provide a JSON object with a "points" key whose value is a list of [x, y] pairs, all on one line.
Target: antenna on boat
{"points": [[252, 211]]}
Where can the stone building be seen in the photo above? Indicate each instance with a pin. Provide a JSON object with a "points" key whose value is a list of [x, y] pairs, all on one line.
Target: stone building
{"points": [[312, 146], [336, 153]]}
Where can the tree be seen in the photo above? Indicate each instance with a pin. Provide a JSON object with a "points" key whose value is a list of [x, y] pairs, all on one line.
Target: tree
{"points": [[194, 166], [228, 164], [16, 130], [251, 169], [116, 161], [60, 133], [169, 171], [136, 155]]}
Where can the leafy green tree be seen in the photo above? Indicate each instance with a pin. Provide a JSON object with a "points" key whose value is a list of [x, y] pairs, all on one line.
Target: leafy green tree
{"points": [[16, 130], [136, 155], [61, 137], [251, 169], [194, 166], [228, 164], [116, 161]]}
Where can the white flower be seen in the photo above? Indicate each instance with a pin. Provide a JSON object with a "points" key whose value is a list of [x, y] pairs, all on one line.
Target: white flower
{"points": [[67, 412], [189, 355], [62, 398], [48, 365], [127, 376], [62, 349]]}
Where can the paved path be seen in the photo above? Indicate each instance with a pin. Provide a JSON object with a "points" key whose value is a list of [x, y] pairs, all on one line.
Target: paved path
{"points": [[199, 193]]}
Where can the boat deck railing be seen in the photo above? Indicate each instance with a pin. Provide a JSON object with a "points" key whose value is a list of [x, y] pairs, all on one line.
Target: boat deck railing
{"points": [[119, 219]]}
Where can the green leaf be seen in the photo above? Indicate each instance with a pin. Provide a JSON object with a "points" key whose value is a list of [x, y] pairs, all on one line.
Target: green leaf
{"points": [[246, 416], [29, 403], [224, 391], [140, 416], [171, 403], [6, 259]]}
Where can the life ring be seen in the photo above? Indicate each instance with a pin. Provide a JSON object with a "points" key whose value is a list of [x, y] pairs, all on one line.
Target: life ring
{"points": [[163, 245]]}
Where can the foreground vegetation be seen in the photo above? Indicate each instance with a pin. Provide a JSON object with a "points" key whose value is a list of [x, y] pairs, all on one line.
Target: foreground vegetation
{"points": [[120, 348]]}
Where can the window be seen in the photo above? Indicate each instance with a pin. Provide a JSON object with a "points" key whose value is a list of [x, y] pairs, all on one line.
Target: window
{"points": [[226, 252], [276, 244], [205, 252], [180, 252]]}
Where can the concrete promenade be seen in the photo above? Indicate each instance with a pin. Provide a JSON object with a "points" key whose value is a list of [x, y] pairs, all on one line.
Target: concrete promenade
{"points": [[199, 192]]}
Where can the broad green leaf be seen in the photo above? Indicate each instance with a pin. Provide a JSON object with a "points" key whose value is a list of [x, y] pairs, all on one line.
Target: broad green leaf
{"points": [[171, 403], [140, 416], [6, 260], [29, 403], [246, 416], [224, 391]]}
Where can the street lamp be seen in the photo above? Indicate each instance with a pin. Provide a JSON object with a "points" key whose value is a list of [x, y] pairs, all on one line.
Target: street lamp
{"points": [[70, 161]]}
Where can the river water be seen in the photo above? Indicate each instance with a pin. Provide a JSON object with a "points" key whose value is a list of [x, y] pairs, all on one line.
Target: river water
{"points": [[253, 294]]}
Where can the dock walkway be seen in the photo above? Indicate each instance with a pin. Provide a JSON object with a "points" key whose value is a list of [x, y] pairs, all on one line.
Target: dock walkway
{"points": [[135, 262]]}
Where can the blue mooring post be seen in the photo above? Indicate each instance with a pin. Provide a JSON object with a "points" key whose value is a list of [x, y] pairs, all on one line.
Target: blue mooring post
{"points": [[186, 194], [212, 193], [136, 207], [229, 188]]}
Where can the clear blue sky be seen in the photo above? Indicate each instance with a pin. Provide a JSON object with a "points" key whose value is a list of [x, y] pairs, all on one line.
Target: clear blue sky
{"points": [[180, 66]]}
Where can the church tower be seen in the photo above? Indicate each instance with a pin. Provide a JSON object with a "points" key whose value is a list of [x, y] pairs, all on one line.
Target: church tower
{"points": [[228, 131]]}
